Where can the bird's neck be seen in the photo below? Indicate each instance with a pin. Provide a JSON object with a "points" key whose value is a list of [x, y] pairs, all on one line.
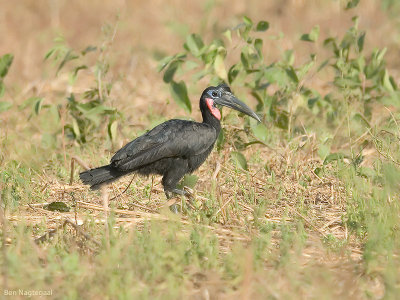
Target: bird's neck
{"points": [[209, 119]]}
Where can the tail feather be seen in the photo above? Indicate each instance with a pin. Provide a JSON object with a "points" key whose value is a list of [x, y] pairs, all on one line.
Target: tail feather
{"points": [[99, 176]]}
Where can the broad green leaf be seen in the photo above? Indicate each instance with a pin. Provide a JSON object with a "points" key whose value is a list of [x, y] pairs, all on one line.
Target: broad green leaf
{"points": [[260, 131], [323, 151], [194, 44], [352, 4], [164, 62], [312, 36], [219, 67], [5, 63], [233, 72], [190, 65], [276, 75], [262, 26], [239, 159], [57, 206], [188, 181], [319, 171], [282, 120], [5, 106], [170, 71], [180, 95]]}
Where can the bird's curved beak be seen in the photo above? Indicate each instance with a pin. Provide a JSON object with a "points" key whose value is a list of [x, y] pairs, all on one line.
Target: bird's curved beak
{"points": [[229, 100]]}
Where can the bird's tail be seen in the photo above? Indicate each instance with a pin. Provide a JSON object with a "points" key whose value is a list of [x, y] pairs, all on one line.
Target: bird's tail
{"points": [[99, 176]]}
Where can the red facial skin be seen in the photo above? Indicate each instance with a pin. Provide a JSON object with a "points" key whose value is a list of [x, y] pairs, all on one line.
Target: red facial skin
{"points": [[214, 111]]}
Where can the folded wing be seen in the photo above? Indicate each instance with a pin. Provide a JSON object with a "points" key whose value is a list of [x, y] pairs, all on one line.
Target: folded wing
{"points": [[174, 138]]}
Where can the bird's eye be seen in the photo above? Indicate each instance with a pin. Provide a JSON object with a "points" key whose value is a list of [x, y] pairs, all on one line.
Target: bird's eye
{"points": [[214, 94]]}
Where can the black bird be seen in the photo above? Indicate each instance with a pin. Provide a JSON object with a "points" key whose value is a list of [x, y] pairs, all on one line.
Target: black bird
{"points": [[173, 148]]}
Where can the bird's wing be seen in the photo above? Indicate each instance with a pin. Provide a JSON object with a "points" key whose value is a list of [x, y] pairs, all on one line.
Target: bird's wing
{"points": [[174, 138]]}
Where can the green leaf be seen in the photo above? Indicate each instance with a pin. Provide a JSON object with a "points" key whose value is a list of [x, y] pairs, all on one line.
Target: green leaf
{"points": [[239, 160], [282, 120], [247, 21], [219, 67], [5, 63], [38, 105], [360, 42], [188, 181], [387, 83], [292, 74], [260, 131], [77, 69], [89, 49], [262, 26], [180, 95], [323, 151], [319, 171], [112, 130], [5, 106], [276, 75], [312, 36], [170, 71], [352, 4], [244, 59], [233, 72], [57, 206], [68, 57], [75, 129], [194, 44], [221, 140], [190, 65], [333, 157], [228, 35], [288, 57], [258, 44]]}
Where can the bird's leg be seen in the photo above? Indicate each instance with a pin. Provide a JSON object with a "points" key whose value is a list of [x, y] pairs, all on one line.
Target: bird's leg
{"points": [[186, 193], [172, 207], [183, 192]]}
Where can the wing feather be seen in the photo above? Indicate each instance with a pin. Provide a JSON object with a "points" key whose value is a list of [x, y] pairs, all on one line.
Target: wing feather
{"points": [[174, 138]]}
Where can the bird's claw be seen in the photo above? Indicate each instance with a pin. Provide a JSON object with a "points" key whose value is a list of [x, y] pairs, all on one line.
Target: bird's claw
{"points": [[186, 192]]}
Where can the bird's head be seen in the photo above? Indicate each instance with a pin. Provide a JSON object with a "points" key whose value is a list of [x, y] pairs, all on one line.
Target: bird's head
{"points": [[222, 95]]}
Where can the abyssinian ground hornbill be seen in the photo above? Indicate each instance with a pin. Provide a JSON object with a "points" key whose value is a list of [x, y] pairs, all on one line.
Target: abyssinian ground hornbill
{"points": [[173, 148]]}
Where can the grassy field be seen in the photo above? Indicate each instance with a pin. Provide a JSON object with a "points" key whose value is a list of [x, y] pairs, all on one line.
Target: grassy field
{"points": [[303, 206]]}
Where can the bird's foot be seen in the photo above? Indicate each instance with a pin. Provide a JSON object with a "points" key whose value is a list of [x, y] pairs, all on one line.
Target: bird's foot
{"points": [[187, 192]]}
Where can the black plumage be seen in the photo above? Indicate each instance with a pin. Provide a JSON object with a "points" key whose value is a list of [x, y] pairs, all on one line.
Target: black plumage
{"points": [[173, 148]]}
